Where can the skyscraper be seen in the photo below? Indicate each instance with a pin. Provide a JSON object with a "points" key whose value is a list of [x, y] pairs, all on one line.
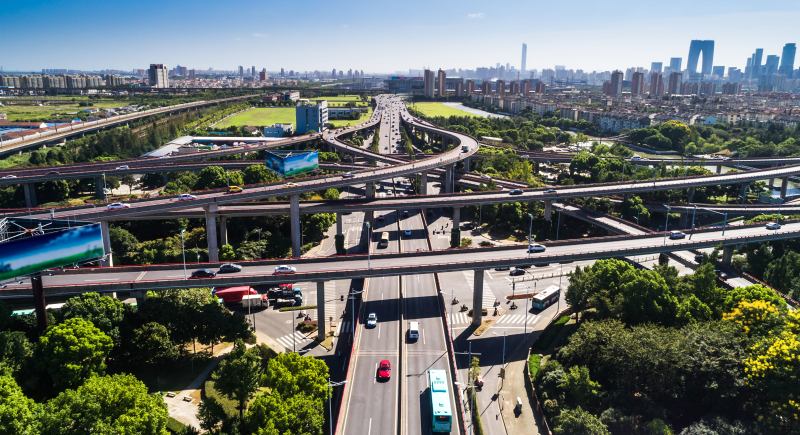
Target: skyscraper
{"points": [[656, 67], [157, 76], [675, 64], [674, 85], [428, 87], [523, 64], [241, 71], [656, 85], [637, 84], [616, 84], [696, 47], [755, 64], [787, 59], [442, 83], [771, 66]]}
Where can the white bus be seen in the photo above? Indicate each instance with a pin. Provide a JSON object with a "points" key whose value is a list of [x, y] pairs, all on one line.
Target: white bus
{"points": [[546, 297]]}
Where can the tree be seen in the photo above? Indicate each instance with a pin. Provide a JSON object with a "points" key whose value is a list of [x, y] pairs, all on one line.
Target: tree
{"points": [[257, 174], [752, 293], [117, 404], [73, 351], [211, 177], [238, 375], [18, 413], [578, 422], [579, 291], [330, 193], [645, 297], [151, 344], [269, 413], [227, 253], [124, 245], [211, 414], [290, 373], [579, 388], [105, 312], [757, 319], [15, 350]]}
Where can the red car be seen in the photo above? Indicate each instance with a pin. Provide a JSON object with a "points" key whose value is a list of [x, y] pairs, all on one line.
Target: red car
{"points": [[384, 370]]}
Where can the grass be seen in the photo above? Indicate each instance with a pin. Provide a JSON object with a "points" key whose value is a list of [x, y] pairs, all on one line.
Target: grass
{"points": [[260, 117], [298, 308], [66, 109], [227, 404], [554, 333], [432, 109], [174, 426], [534, 364], [340, 99], [338, 123]]}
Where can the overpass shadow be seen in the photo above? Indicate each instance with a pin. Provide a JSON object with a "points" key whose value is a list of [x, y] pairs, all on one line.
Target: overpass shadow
{"points": [[385, 309], [425, 412], [421, 307]]}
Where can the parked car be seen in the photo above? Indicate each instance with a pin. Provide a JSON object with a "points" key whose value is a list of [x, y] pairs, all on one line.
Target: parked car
{"points": [[550, 191], [536, 247], [186, 197], [230, 268], [284, 270], [203, 273], [675, 235], [117, 206], [407, 233], [372, 320], [384, 370], [773, 226]]}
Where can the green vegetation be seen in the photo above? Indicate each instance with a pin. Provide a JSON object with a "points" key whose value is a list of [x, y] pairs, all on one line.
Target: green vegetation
{"points": [[338, 123], [659, 353], [435, 109], [260, 117], [63, 110]]}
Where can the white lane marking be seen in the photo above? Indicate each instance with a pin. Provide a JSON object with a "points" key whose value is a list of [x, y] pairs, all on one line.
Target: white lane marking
{"points": [[369, 429], [423, 336], [141, 275], [375, 374], [379, 332]]}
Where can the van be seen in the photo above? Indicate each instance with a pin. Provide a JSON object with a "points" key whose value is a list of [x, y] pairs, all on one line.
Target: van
{"points": [[413, 330], [384, 241]]}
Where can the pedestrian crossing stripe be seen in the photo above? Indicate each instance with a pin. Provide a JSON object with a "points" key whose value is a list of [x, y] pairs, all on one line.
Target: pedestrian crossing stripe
{"points": [[460, 318], [516, 319], [296, 340]]}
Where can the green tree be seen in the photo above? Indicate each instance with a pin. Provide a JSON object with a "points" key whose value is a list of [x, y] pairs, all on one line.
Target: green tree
{"points": [[124, 245], [105, 312], [117, 404], [238, 375], [257, 174], [578, 422], [18, 413], [211, 414], [151, 345], [227, 253], [73, 351], [15, 350], [752, 293], [579, 291], [273, 414], [579, 388], [290, 373], [211, 177], [645, 298], [330, 193]]}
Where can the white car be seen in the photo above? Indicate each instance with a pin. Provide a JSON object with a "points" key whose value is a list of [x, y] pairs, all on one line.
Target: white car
{"points": [[348, 175], [9, 177], [117, 206], [122, 167], [635, 158], [773, 226], [536, 247], [372, 320], [676, 235], [284, 270], [186, 197]]}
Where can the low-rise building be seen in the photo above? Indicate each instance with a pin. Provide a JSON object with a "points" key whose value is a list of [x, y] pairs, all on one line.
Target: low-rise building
{"points": [[278, 130]]}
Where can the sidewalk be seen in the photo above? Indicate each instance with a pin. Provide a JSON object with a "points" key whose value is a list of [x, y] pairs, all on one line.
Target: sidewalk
{"points": [[513, 387]]}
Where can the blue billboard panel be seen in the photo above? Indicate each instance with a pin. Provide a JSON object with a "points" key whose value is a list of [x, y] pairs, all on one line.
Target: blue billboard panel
{"points": [[292, 164], [61, 248]]}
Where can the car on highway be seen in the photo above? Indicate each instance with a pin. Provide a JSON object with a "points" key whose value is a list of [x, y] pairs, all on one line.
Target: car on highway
{"points": [[230, 268], [348, 175], [284, 270], [117, 206], [405, 213], [203, 273], [676, 235], [635, 158], [384, 370], [407, 233], [515, 192], [372, 320], [550, 191], [772, 226], [516, 271], [536, 247], [186, 197], [502, 268], [122, 167], [9, 177], [485, 177], [290, 184], [54, 173], [235, 189]]}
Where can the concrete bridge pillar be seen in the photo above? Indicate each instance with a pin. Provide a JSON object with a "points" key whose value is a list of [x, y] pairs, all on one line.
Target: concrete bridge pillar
{"points": [[690, 194], [223, 230], [99, 185], [456, 218], [719, 169], [294, 219], [477, 298], [108, 260], [467, 164], [339, 223], [771, 183], [321, 329], [211, 233], [29, 189], [548, 210], [449, 178], [727, 255], [423, 183], [784, 187]]}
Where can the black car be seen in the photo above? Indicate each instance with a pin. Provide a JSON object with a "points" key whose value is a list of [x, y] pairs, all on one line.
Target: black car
{"points": [[515, 192], [230, 268], [203, 273], [516, 272], [501, 268]]}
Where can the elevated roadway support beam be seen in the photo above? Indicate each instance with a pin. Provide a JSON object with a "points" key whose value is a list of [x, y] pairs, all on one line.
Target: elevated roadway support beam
{"points": [[294, 218], [339, 237], [211, 233], [690, 194], [727, 255], [449, 178], [39, 302], [784, 187], [477, 298], [719, 169], [548, 210], [223, 230], [108, 260], [455, 233], [743, 192], [29, 189], [321, 329], [423, 183], [370, 193], [99, 188]]}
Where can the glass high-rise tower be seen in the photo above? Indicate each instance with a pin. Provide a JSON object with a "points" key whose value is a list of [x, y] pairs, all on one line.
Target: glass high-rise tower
{"points": [[696, 48], [787, 59]]}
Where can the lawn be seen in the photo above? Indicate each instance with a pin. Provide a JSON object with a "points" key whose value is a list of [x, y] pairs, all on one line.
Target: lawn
{"points": [[260, 117], [337, 123], [30, 112], [342, 100], [440, 109]]}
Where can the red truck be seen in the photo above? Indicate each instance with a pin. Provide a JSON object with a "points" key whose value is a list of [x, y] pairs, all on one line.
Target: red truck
{"points": [[240, 295]]}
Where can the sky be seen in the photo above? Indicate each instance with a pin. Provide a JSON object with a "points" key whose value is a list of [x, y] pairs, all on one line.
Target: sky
{"points": [[384, 36]]}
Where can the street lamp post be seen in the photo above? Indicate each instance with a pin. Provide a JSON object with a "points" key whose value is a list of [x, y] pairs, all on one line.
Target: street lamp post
{"points": [[558, 224], [331, 385], [183, 253], [352, 298], [369, 242], [666, 222], [530, 227]]}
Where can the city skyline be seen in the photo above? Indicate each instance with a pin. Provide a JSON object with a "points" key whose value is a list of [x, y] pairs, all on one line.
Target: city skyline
{"points": [[236, 39]]}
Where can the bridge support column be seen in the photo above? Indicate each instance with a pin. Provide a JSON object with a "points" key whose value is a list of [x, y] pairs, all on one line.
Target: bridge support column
{"points": [[223, 230], [684, 220], [39, 301], [294, 219], [29, 189], [467, 164], [423, 183], [477, 298], [548, 210], [449, 179], [339, 237], [370, 194], [211, 233], [321, 329], [455, 233], [690, 194], [784, 187], [743, 192], [771, 183], [727, 255], [99, 193], [108, 260], [719, 169]]}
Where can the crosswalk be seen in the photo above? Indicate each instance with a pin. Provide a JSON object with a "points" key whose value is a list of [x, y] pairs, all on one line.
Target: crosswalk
{"points": [[294, 341], [460, 318], [516, 319]]}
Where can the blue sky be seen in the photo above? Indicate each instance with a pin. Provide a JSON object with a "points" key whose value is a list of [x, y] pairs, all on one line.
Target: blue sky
{"points": [[384, 36]]}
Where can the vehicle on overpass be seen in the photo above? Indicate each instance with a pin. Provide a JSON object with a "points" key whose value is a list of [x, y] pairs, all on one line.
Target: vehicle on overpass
{"points": [[441, 414], [229, 268], [413, 330], [546, 297], [384, 370], [384, 240], [203, 273]]}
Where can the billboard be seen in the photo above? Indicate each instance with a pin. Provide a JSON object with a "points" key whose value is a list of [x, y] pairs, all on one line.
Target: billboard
{"points": [[61, 248], [292, 163]]}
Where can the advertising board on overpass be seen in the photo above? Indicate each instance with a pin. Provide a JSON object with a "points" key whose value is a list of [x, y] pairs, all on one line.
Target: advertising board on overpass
{"points": [[292, 163], [25, 256]]}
